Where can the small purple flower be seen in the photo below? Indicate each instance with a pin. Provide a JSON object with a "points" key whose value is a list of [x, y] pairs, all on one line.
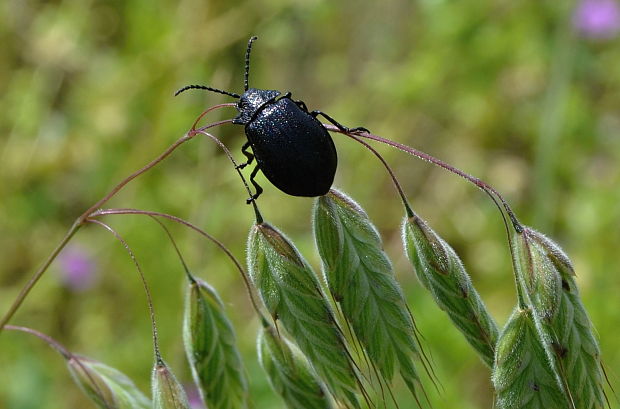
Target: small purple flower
{"points": [[598, 19], [193, 396], [78, 270]]}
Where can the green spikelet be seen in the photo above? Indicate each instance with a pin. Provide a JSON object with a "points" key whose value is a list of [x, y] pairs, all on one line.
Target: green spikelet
{"points": [[441, 271], [210, 346], [105, 386], [360, 278], [522, 376], [289, 372], [290, 290], [167, 391], [546, 282]]}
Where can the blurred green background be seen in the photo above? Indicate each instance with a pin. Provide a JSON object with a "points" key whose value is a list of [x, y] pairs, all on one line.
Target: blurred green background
{"points": [[519, 93]]}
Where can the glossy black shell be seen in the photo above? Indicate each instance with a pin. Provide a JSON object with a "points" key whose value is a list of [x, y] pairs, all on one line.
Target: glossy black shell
{"points": [[293, 149]]}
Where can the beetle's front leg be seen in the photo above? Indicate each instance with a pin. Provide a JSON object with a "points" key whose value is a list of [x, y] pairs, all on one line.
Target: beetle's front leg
{"points": [[249, 155], [359, 129]]}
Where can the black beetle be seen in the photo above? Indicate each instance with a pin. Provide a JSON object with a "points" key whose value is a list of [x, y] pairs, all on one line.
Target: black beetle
{"points": [[291, 146]]}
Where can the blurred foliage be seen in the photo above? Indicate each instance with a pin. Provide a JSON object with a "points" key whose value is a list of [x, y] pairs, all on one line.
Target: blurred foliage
{"points": [[505, 90]]}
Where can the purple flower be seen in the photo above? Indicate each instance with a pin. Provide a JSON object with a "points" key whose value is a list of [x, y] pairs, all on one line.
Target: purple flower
{"points": [[597, 18], [193, 396], [78, 270]]}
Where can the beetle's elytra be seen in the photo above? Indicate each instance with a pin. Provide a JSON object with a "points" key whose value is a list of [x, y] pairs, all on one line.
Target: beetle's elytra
{"points": [[291, 146]]}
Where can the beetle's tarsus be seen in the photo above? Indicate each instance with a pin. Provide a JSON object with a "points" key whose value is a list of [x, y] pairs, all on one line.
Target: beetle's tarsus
{"points": [[357, 130], [252, 198]]}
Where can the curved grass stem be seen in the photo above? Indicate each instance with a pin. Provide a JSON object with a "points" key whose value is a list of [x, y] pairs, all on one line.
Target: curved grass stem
{"points": [[147, 290], [259, 217], [37, 275], [68, 355], [242, 272], [401, 193], [188, 273], [79, 222], [488, 189], [50, 341]]}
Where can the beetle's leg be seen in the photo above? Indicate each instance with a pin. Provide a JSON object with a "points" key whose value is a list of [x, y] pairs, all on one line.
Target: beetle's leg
{"points": [[259, 189], [249, 155], [299, 103], [339, 125]]}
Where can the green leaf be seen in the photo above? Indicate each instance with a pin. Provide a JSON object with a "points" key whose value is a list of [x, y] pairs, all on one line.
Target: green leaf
{"points": [[292, 294], [167, 391], [546, 282], [522, 376], [360, 277], [289, 373], [441, 271], [211, 351], [105, 386]]}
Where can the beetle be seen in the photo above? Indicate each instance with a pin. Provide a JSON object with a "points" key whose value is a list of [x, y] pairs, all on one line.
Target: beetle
{"points": [[291, 146]]}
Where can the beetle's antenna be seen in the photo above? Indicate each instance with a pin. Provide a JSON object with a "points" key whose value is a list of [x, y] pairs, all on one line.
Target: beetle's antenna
{"points": [[247, 62], [219, 91]]}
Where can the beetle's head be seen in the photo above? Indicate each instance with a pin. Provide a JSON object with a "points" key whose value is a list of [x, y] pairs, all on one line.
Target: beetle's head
{"points": [[251, 101]]}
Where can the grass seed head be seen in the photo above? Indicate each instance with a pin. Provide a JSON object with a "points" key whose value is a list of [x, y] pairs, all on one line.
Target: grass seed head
{"points": [[361, 279], [292, 294], [289, 373], [210, 344], [168, 393], [522, 376], [441, 271], [545, 279], [105, 386]]}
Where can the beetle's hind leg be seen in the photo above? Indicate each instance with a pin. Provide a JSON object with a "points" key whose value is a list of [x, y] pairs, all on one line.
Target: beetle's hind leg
{"points": [[301, 104], [249, 155], [259, 189], [338, 125]]}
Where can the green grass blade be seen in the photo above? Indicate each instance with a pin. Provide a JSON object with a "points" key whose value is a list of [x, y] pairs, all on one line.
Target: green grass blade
{"points": [[522, 376], [291, 292], [546, 280], [105, 386], [209, 338], [441, 271], [167, 391], [289, 373], [360, 278]]}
